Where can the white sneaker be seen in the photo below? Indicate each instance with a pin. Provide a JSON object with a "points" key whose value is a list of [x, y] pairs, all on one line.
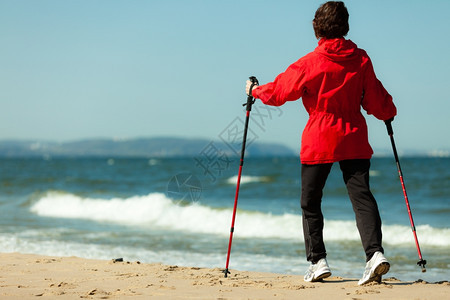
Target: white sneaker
{"points": [[318, 271], [375, 268]]}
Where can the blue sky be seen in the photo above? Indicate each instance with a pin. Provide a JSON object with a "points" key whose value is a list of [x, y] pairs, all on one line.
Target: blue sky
{"points": [[78, 69]]}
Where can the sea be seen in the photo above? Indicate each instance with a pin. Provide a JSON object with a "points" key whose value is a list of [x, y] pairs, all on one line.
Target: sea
{"points": [[178, 211]]}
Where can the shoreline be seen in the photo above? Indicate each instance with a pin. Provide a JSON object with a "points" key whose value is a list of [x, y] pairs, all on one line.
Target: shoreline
{"points": [[27, 276]]}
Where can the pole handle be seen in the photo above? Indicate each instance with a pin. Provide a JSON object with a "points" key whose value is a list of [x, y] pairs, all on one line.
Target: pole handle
{"points": [[250, 100], [389, 126]]}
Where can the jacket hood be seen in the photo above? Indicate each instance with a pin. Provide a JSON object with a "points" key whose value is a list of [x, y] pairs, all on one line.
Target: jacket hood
{"points": [[337, 49]]}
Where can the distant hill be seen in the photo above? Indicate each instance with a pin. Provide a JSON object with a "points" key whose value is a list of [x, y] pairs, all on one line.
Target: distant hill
{"points": [[138, 147]]}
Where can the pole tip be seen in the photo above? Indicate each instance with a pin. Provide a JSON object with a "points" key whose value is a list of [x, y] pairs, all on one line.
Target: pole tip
{"points": [[226, 272], [422, 264]]}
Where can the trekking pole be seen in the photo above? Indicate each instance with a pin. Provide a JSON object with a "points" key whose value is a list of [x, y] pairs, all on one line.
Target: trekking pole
{"points": [[249, 103], [421, 261]]}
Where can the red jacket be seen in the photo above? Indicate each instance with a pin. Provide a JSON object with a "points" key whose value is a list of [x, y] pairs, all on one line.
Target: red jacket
{"points": [[334, 82]]}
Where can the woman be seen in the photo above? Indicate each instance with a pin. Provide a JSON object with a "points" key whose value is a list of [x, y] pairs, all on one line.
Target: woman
{"points": [[334, 82]]}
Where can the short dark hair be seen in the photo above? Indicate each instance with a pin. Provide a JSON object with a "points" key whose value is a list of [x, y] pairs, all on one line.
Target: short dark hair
{"points": [[331, 20]]}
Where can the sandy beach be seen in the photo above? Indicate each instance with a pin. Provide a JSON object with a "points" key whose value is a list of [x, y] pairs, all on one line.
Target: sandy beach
{"points": [[29, 276]]}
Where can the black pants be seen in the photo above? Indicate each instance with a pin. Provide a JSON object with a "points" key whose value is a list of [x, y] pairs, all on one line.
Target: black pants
{"points": [[368, 221]]}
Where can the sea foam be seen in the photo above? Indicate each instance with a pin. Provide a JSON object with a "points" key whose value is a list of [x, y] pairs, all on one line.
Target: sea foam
{"points": [[247, 179], [156, 210]]}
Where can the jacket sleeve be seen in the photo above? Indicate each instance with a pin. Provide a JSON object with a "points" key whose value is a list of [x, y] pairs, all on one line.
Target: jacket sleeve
{"points": [[287, 86], [376, 100]]}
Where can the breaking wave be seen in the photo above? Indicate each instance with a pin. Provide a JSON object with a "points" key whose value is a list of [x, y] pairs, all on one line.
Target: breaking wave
{"points": [[159, 211]]}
